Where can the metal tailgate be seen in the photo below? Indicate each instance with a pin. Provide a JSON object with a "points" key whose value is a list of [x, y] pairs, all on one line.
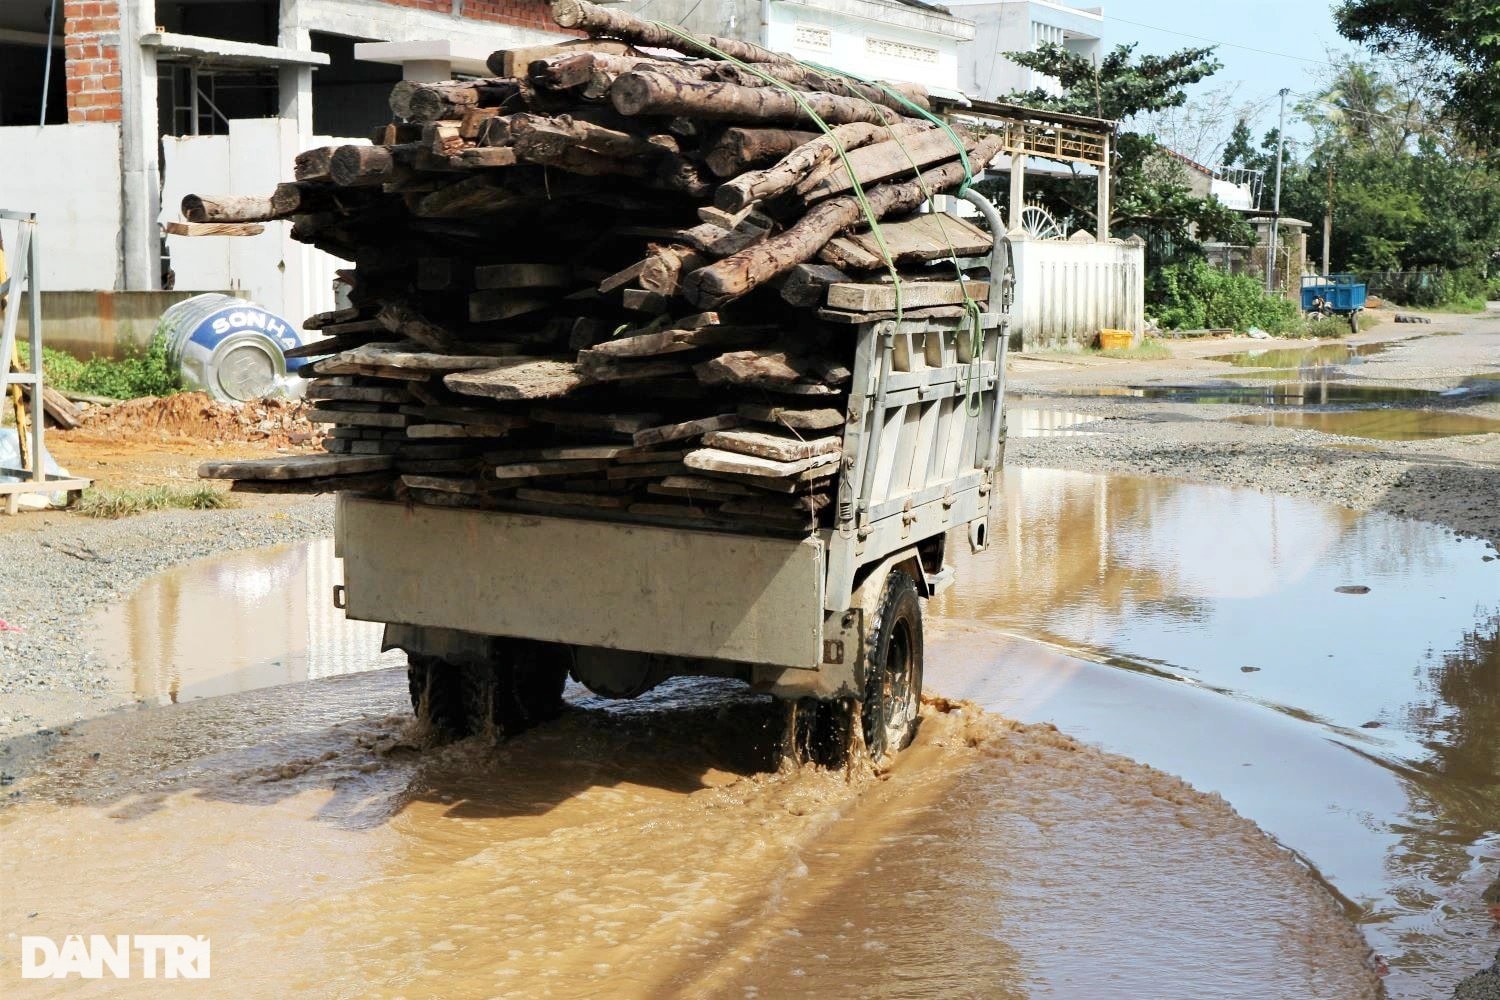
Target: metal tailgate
{"points": [[594, 583]]}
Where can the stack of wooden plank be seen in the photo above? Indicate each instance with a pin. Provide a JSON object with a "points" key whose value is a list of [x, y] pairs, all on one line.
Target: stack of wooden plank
{"points": [[623, 275]]}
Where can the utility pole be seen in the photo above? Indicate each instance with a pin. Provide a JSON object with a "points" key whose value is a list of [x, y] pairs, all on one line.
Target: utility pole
{"points": [[1276, 202], [1328, 220]]}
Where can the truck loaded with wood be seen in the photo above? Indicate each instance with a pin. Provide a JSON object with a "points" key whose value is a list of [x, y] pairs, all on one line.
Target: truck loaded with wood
{"points": [[662, 358]]}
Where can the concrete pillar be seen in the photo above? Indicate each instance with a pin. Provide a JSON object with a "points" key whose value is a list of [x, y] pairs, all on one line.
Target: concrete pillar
{"points": [[1103, 206], [1017, 188], [140, 135], [294, 83]]}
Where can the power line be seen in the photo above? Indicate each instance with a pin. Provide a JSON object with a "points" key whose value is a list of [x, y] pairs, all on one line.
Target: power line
{"points": [[1216, 41]]}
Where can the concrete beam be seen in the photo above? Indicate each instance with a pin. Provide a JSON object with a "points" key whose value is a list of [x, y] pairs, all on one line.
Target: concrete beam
{"points": [[221, 51], [426, 61]]}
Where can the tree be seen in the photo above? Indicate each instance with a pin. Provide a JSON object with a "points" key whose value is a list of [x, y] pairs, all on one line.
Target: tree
{"points": [[1238, 151], [1148, 195], [1458, 40]]}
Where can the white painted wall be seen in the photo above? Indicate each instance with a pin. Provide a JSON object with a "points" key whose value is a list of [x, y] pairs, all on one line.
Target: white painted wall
{"points": [[1019, 26], [881, 50], [1067, 290], [287, 277], [70, 176]]}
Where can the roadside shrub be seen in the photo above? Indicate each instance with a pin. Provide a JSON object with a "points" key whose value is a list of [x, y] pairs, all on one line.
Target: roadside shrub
{"points": [[1193, 295], [1326, 326], [139, 373], [1448, 291]]}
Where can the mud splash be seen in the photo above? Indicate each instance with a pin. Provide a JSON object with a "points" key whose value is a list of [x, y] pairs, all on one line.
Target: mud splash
{"points": [[1359, 729], [651, 850]]}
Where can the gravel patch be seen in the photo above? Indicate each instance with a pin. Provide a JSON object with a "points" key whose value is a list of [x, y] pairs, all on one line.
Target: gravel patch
{"points": [[66, 568]]}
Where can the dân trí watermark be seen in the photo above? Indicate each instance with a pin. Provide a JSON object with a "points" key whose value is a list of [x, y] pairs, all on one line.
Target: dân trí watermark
{"points": [[121, 956]]}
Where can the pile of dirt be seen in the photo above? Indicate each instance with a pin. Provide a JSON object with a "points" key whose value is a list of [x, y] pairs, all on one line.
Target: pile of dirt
{"points": [[196, 416]]}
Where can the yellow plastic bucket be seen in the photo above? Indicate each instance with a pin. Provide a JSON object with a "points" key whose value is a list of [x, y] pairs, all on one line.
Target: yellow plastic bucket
{"points": [[1115, 340]]}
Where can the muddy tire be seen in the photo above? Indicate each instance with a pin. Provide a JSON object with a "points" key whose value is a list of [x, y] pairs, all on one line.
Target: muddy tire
{"points": [[541, 672], [437, 696], [893, 668]]}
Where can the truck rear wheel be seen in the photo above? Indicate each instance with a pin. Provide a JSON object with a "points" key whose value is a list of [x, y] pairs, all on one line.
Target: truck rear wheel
{"points": [[893, 668], [518, 685]]}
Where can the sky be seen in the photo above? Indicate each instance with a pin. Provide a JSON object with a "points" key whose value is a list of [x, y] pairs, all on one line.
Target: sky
{"points": [[1275, 44]]}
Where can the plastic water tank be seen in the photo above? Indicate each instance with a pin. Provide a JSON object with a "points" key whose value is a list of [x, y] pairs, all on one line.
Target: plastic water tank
{"points": [[231, 348]]}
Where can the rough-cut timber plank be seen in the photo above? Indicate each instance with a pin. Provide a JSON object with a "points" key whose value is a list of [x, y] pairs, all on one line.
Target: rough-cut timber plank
{"points": [[515, 62], [242, 208], [914, 295], [686, 429], [403, 320], [465, 415], [918, 238], [317, 389], [615, 423], [717, 460], [450, 484], [928, 312], [534, 470], [641, 92], [563, 498], [816, 419], [213, 228], [430, 432], [777, 447], [355, 418], [402, 356], [768, 367], [520, 378], [807, 284], [295, 467], [498, 304]]}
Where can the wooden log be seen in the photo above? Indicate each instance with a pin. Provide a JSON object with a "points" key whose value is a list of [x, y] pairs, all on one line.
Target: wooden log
{"points": [[294, 467], [243, 208], [758, 185], [913, 295], [807, 284], [813, 419], [514, 62], [803, 77], [213, 228], [361, 166], [649, 93], [433, 102], [881, 160], [666, 265], [601, 22], [737, 149], [290, 198], [649, 436], [712, 286], [314, 164], [777, 447]]}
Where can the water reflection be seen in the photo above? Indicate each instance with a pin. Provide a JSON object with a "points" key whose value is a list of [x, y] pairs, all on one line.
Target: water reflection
{"points": [[1381, 425], [1200, 583], [250, 620]]}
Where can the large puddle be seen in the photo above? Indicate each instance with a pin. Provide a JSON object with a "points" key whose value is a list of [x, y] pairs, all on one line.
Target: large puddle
{"points": [[1380, 425], [1362, 729], [1320, 356], [1300, 391], [660, 847]]}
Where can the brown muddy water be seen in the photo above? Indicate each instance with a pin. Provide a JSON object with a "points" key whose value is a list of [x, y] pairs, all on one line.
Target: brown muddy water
{"points": [[1380, 425], [661, 847]]}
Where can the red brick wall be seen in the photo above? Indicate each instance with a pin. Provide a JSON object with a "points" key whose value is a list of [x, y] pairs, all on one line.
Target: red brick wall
{"points": [[92, 69], [526, 13]]}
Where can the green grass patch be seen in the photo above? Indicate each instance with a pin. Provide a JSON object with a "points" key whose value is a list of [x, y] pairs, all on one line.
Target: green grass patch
{"points": [[1460, 304], [139, 373], [1149, 349], [1326, 326], [110, 503]]}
